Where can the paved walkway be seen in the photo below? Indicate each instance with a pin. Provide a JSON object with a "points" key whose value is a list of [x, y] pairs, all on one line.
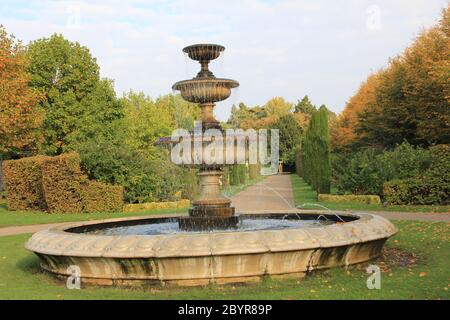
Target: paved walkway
{"points": [[273, 193]]}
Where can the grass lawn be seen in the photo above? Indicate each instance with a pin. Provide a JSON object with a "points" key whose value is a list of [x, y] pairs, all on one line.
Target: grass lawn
{"points": [[20, 218], [426, 244], [303, 194]]}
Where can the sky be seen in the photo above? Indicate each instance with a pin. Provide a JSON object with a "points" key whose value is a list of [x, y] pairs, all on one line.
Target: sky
{"points": [[288, 48]]}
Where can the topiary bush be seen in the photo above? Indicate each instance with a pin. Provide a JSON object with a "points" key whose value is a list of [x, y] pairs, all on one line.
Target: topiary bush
{"points": [[101, 197], [62, 183], [23, 183]]}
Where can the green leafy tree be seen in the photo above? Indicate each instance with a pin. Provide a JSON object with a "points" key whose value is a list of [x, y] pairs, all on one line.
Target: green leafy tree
{"points": [[290, 137], [305, 106], [78, 104]]}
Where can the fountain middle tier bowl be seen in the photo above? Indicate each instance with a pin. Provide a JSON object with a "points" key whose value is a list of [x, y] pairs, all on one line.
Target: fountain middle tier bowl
{"points": [[205, 90], [152, 250]]}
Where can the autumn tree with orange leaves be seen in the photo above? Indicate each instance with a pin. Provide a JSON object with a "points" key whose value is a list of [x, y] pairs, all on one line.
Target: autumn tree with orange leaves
{"points": [[20, 116], [407, 101]]}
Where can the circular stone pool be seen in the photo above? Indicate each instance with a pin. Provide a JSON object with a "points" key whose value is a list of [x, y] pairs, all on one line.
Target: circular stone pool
{"points": [[147, 250]]}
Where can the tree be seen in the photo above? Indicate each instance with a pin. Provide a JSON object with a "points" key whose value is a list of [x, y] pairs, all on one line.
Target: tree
{"points": [[78, 104], [407, 101], [290, 137], [20, 115], [277, 107], [315, 152], [305, 106]]}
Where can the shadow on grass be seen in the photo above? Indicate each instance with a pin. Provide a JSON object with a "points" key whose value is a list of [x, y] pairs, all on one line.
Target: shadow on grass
{"points": [[29, 264]]}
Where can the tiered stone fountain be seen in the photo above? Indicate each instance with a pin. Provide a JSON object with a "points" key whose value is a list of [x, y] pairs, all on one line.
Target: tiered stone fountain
{"points": [[210, 210], [212, 244]]}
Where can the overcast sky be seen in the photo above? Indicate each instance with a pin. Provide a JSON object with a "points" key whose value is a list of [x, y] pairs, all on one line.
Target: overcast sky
{"points": [[289, 48]]}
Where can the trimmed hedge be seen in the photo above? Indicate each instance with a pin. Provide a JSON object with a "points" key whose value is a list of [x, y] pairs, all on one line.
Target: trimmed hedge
{"points": [[56, 184], [101, 197], [23, 183], [62, 182], [368, 199], [139, 207], [253, 171]]}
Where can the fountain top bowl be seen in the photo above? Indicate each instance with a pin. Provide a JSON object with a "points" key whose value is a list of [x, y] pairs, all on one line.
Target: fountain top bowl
{"points": [[204, 51]]}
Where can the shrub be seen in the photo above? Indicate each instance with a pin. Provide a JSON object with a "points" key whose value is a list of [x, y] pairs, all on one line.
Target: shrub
{"points": [[139, 207], [101, 197], [253, 171], [145, 177], [365, 172], [430, 187], [242, 173], [234, 175], [23, 183], [62, 183], [368, 199]]}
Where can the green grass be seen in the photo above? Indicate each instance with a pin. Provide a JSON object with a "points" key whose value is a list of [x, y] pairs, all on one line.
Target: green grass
{"points": [[430, 242], [304, 194], [20, 218]]}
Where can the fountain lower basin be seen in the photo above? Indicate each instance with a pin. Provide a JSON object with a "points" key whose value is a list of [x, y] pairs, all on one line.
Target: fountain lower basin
{"points": [[198, 258]]}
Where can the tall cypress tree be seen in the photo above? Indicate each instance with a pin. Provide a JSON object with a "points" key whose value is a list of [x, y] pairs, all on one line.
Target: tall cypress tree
{"points": [[316, 152]]}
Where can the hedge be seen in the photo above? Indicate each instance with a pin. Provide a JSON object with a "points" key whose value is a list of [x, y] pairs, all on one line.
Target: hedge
{"points": [[23, 183], [368, 199], [253, 171], [62, 182], [101, 197], [57, 184], [138, 207], [431, 187]]}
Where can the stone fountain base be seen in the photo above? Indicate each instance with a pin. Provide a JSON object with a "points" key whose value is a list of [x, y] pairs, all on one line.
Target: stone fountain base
{"points": [[210, 257]]}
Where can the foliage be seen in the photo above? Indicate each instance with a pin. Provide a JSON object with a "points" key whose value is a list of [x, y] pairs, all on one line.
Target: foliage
{"points": [[406, 101], [305, 106], [141, 207], [315, 149], [56, 184], [20, 115], [23, 183], [290, 136], [77, 103], [277, 107], [369, 199], [430, 186], [253, 171], [101, 197], [366, 171]]}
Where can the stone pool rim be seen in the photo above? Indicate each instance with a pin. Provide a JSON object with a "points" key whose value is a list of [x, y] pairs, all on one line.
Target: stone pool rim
{"points": [[210, 253]]}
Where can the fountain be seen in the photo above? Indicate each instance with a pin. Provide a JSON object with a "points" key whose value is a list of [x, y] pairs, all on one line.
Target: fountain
{"points": [[212, 244]]}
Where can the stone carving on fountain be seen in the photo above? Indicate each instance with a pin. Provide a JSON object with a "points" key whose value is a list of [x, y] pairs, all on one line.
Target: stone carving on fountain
{"points": [[211, 210]]}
